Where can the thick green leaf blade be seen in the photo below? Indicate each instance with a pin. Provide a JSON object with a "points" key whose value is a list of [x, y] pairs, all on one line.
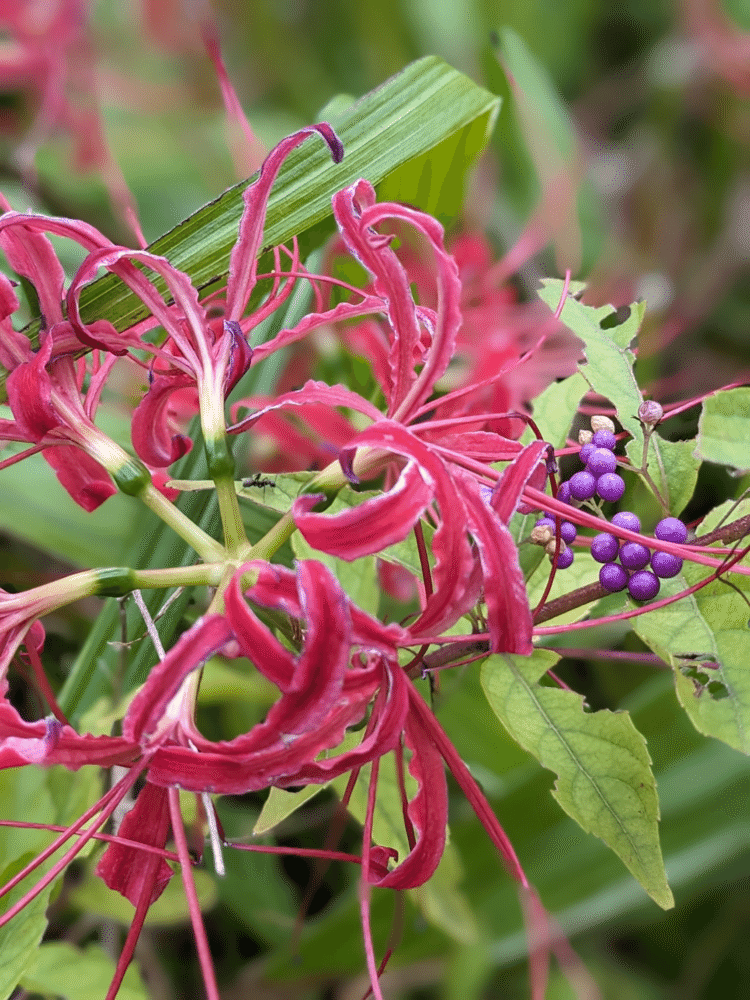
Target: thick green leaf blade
{"points": [[420, 130], [705, 637], [604, 779], [724, 428]]}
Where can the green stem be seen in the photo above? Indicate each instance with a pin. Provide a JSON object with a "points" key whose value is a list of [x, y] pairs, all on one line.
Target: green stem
{"points": [[207, 548], [202, 575], [235, 538]]}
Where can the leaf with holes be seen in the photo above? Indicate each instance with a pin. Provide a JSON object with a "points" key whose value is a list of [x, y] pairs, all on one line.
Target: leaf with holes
{"points": [[706, 639]]}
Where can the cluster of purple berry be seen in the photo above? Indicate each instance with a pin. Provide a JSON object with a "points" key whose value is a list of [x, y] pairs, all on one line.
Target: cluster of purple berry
{"points": [[599, 478], [631, 572]]}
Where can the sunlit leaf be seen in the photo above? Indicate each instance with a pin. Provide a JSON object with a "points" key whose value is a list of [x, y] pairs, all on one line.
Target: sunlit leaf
{"points": [[601, 761]]}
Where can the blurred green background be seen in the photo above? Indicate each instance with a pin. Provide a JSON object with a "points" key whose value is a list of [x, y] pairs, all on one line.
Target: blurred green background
{"points": [[653, 100]]}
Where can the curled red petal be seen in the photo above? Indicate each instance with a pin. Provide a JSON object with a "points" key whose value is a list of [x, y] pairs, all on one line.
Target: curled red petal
{"points": [[48, 742], [507, 491], [371, 526], [508, 612], [243, 262], [428, 810]]}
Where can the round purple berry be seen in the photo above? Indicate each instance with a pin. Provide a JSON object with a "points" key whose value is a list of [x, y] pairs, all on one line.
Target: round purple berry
{"points": [[604, 547], [613, 577], [545, 522], [610, 486], [671, 529], [605, 439], [626, 519], [583, 485], [585, 453], [633, 555], [665, 565], [643, 585], [568, 531], [563, 493], [601, 461], [565, 558]]}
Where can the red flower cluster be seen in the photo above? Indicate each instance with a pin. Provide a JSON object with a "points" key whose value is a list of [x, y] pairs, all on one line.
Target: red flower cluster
{"points": [[435, 456]]}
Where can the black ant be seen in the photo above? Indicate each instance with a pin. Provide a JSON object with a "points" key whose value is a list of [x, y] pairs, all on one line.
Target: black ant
{"points": [[258, 481]]}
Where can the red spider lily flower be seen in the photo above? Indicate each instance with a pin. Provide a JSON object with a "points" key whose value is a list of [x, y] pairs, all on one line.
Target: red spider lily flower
{"points": [[52, 410], [445, 459], [210, 354]]}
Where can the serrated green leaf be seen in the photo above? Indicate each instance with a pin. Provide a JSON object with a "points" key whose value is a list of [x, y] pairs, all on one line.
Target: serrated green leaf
{"points": [[609, 363], [609, 371], [429, 121], [604, 779], [61, 970], [724, 428], [706, 639]]}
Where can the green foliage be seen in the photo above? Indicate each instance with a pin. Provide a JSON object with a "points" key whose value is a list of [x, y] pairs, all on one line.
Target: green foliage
{"points": [[724, 429], [603, 768], [61, 970], [705, 638]]}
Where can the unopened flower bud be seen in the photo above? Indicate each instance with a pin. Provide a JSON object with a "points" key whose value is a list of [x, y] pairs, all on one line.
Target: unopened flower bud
{"points": [[584, 437], [650, 412], [541, 534], [601, 423]]}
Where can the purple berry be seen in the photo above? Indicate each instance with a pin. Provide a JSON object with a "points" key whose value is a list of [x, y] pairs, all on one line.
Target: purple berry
{"points": [[568, 531], [563, 493], [601, 461], [583, 485], [625, 519], [546, 522], [665, 565], [613, 577], [671, 529], [565, 559], [605, 439], [610, 486], [643, 585], [604, 547], [585, 453], [633, 555]]}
